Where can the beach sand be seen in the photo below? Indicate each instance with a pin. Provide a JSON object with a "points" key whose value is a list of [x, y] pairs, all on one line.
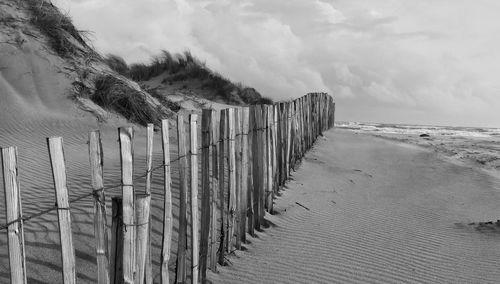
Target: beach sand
{"points": [[362, 209]]}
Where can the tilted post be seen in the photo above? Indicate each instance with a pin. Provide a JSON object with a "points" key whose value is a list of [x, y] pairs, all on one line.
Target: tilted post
{"points": [[167, 206], [57, 162], [14, 215], [100, 230]]}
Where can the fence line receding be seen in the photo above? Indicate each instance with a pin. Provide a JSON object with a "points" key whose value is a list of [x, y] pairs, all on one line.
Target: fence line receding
{"points": [[245, 157]]}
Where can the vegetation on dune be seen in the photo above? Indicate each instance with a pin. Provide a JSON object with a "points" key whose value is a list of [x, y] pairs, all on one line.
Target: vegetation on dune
{"points": [[164, 101], [181, 67], [58, 27], [118, 94], [114, 94], [117, 63]]}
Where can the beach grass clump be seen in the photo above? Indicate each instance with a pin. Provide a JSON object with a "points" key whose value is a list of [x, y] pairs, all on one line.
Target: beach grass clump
{"points": [[58, 27], [165, 62], [114, 94], [265, 101], [117, 64], [174, 106]]}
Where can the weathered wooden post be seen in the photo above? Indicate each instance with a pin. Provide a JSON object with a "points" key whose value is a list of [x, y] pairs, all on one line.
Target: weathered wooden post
{"points": [[183, 177], [232, 181], [244, 174], [100, 230], [264, 165], [252, 133], [288, 138], [167, 207], [142, 210], [215, 187], [14, 214], [237, 143], [275, 151], [126, 136], [222, 163], [57, 162], [257, 166], [116, 250], [195, 228], [148, 277], [269, 159], [206, 127]]}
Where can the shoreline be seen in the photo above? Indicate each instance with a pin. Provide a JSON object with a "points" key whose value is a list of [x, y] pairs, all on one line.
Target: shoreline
{"points": [[445, 148]]}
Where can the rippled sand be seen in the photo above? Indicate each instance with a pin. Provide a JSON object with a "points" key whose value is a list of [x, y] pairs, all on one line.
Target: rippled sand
{"points": [[362, 209]]}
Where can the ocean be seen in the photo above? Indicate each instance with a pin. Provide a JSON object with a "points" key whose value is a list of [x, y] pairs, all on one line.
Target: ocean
{"points": [[477, 145]]}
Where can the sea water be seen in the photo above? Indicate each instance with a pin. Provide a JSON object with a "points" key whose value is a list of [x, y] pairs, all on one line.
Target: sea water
{"points": [[478, 145]]}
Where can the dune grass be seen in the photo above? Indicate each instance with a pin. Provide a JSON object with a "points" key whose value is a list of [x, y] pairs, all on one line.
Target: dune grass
{"points": [[113, 94], [174, 106], [183, 67], [117, 63], [58, 27]]}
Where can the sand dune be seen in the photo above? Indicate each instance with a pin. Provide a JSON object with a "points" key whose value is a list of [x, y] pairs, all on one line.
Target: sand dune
{"points": [[377, 212], [36, 106]]}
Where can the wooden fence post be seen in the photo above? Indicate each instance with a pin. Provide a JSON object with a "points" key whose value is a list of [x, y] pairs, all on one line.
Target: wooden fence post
{"points": [[222, 160], [142, 210], [14, 214], [237, 168], [126, 136], [275, 151], [264, 164], [148, 277], [215, 188], [116, 250], [269, 159], [282, 142], [183, 177], [195, 228], [333, 115], [57, 162], [251, 174], [100, 230], [257, 166], [288, 138], [244, 175], [232, 181], [167, 207], [206, 127]]}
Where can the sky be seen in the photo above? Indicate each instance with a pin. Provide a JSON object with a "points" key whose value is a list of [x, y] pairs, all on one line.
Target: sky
{"points": [[395, 61]]}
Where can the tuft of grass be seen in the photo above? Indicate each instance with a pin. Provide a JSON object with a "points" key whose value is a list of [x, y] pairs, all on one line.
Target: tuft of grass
{"points": [[56, 26], [265, 101], [164, 101], [117, 64], [166, 62], [113, 94]]}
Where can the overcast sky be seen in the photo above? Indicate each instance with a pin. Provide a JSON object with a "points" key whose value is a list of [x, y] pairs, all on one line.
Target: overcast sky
{"points": [[420, 62]]}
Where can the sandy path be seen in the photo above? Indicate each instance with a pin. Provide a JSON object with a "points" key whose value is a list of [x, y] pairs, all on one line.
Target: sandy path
{"points": [[379, 212]]}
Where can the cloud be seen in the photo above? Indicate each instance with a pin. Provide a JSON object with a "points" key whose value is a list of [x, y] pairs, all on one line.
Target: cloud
{"points": [[436, 61]]}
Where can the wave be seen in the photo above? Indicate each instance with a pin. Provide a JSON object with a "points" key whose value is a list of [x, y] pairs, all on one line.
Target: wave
{"points": [[406, 129]]}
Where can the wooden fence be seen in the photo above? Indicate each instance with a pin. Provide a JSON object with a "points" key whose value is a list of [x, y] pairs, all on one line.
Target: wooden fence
{"points": [[246, 157]]}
